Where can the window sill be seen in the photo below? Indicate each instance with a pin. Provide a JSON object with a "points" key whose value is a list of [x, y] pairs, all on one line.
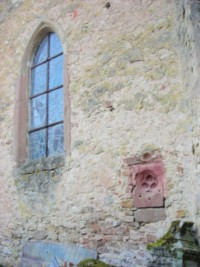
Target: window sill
{"points": [[43, 164]]}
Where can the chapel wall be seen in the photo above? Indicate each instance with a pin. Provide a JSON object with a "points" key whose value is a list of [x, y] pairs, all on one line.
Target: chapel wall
{"points": [[128, 100]]}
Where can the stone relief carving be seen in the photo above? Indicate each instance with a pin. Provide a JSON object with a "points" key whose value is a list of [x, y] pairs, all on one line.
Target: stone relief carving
{"points": [[146, 181]]}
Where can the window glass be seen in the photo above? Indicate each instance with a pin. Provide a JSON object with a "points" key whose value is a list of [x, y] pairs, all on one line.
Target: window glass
{"points": [[39, 79], [56, 72], [55, 45], [42, 52], [56, 106], [46, 136], [38, 111], [37, 144], [55, 139]]}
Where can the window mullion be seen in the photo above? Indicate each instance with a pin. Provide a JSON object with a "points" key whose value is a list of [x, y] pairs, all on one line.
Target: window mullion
{"points": [[44, 127], [45, 92], [45, 61], [47, 97]]}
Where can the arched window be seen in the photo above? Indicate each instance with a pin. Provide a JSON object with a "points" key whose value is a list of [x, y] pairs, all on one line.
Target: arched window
{"points": [[46, 106], [42, 107]]}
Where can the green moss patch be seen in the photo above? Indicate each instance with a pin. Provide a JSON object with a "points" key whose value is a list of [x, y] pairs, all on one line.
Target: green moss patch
{"points": [[167, 240], [93, 263]]}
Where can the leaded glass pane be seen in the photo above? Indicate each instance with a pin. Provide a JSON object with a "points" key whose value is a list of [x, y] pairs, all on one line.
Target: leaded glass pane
{"points": [[37, 144], [38, 111], [42, 52], [39, 79], [56, 107], [47, 107], [56, 72], [56, 139], [55, 45]]}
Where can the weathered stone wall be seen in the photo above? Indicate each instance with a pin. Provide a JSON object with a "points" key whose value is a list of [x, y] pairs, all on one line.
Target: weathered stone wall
{"points": [[188, 23], [128, 55]]}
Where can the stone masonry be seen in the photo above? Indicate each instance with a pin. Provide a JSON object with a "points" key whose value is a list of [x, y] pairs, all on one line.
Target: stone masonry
{"points": [[133, 68]]}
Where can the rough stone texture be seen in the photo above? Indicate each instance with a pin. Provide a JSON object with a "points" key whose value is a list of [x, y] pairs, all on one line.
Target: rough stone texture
{"points": [[162, 258], [150, 215], [141, 57]]}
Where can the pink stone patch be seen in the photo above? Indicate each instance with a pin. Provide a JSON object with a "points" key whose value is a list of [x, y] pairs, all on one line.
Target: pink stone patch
{"points": [[146, 183]]}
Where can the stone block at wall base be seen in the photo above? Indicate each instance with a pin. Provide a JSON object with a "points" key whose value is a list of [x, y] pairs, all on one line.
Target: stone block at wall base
{"points": [[150, 215]]}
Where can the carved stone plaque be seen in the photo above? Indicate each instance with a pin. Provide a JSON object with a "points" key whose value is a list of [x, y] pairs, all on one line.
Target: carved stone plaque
{"points": [[146, 183]]}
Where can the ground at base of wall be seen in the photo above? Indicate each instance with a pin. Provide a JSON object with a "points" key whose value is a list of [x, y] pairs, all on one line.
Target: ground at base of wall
{"points": [[93, 263]]}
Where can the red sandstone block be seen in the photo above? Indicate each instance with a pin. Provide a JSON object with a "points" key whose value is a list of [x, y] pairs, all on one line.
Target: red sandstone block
{"points": [[146, 183]]}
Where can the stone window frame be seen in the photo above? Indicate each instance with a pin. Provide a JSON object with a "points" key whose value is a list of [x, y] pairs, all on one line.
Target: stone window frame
{"points": [[22, 94]]}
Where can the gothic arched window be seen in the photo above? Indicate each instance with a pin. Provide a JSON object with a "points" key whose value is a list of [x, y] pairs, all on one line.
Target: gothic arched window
{"points": [[46, 99]]}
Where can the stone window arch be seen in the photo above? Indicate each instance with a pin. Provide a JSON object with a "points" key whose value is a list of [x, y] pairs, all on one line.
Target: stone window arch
{"points": [[25, 127]]}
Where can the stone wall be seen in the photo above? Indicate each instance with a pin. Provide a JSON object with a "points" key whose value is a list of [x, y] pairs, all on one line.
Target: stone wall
{"points": [[188, 23], [129, 96]]}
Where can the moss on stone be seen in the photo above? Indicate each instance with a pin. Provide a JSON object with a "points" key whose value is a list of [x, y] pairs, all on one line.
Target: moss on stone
{"points": [[164, 23], [24, 210], [152, 40], [93, 263], [167, 240], [163, 241], [172, 71], [25, 176]]}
